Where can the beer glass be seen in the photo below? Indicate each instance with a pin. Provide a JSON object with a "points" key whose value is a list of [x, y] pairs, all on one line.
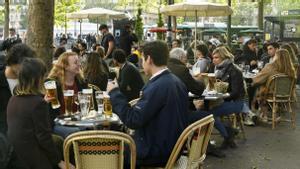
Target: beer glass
{"points": [[211, 81], [107, 108], [51, 92], [90, 93], [99, 99], [84, 103], [68, 98]]}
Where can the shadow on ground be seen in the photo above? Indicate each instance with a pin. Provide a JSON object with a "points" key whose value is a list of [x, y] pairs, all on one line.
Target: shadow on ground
{"points": [[264, 148]]}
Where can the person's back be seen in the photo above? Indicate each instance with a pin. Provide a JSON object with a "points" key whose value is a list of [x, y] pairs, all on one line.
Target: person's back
{"points": [[159, 116]]}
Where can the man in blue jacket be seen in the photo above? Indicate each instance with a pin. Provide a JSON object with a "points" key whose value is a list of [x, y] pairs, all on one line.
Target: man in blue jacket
{"points": [[160, 116]]}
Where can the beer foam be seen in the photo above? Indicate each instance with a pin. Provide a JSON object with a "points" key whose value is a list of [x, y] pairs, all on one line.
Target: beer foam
{"points": [[68, 92], [87, 91], [50, 85]]}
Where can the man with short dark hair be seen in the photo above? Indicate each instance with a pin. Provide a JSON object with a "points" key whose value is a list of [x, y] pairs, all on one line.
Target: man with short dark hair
{"points": [[271, 48], [108, 41], [130, 80], [160, 115]]}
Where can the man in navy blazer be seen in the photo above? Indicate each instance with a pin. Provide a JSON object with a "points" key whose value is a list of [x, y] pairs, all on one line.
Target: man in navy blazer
{"points": [[160, 116]]}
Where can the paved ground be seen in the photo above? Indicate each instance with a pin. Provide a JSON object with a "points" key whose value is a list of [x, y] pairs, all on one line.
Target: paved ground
{"points": [[264, 148]]}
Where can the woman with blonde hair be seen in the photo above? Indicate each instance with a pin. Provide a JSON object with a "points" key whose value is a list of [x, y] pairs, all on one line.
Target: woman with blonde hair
{"points": [[282, 64], [68, 76], [227, 71]]}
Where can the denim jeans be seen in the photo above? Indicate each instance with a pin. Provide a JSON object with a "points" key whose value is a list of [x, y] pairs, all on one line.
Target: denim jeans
{"points": [[225, 108]]}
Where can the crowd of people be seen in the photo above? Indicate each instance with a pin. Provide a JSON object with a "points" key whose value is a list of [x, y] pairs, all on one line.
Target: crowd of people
{"points": [[163, 109]]}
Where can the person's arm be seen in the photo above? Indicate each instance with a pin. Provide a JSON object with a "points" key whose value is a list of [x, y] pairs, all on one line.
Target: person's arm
{"points": [[236, 84], [111, 46], [194, 86], [145, 109], [263, 75]]}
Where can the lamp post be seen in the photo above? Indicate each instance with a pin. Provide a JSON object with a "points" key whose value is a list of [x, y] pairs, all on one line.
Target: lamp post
{"points": [[229, 27], [169, 30]]}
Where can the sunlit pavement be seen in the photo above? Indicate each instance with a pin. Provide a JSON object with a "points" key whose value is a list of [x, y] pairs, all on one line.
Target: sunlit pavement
{"points": [[264, 148]]}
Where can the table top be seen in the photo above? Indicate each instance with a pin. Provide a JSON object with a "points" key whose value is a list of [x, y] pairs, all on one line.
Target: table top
{"points": [[209, 96], [87, 122], [249, 75]]}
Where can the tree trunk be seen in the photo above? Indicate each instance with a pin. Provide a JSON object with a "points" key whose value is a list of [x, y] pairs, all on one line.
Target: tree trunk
{"points": [[40, 28], [261, 14], [6, 20]]}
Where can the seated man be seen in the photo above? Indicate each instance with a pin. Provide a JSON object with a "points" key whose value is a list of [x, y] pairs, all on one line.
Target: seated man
{"points": [[130, 80], [159, 117]]}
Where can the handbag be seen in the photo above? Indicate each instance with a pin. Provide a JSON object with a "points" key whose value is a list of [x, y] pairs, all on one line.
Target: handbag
{"points": [[220, 86]]}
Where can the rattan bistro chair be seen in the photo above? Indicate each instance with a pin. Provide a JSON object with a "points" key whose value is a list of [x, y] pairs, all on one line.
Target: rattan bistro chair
{"points": [[280, 93], [195, 137], [99, 149]]}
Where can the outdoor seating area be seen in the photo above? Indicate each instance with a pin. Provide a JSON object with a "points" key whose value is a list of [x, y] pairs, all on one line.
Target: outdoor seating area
{"points": [[149, 85]]}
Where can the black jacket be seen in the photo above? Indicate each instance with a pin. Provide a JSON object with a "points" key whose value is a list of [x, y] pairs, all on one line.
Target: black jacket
{"points": [[234, 77], [130, 81], [5, 94], [182, 72]]}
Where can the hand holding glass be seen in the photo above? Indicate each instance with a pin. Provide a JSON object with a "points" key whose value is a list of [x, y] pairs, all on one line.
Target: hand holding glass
{"points": [[51, 92]]}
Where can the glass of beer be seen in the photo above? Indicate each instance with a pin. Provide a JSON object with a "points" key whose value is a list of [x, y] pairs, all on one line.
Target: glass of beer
{"points": [[68, 98], [107, 108], [211, 81], [99, 98], [51, 92], [90, 93], [84, 103]]}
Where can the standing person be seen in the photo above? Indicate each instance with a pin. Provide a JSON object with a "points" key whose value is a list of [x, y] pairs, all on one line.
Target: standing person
{"points": [[108, 42], [28, 126], [130, 80], [127, 39], [9, 78], [11, 40], [94, 72], [160, 116]]}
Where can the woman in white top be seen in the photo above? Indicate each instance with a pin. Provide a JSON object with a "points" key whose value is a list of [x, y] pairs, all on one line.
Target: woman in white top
{"points": [[203, 62]]}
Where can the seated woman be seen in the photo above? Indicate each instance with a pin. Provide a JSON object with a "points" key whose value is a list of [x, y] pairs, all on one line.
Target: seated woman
{"points": [[282, 64], [94, 72], [226, 71], [28, 126], [68, 76], [203, 61]]}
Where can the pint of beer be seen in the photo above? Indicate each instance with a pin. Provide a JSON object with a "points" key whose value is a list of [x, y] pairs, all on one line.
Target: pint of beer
{"points": [[211, 81], [68, 98], [51, 92], [90, 93], [107, 108]]}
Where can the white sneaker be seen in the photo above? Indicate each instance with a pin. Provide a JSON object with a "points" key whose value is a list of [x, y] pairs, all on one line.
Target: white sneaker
{"points": [[248, 120]]}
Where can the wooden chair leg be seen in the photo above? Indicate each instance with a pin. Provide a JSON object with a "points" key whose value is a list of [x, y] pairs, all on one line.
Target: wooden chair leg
{"points": [[274, 107], [241, 124], [293, 116]]}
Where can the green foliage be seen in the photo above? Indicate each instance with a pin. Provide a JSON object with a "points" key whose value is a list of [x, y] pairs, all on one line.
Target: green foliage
{"points": [[1, 15], [139, 24], [160, 23], [62, 7]]}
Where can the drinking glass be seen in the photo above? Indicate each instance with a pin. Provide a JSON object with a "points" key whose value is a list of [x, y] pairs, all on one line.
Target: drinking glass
{"points": [[68, 99], [247, 68], [84, 103], [99, 98], [260, 65], [50, 87], [107, 107]]}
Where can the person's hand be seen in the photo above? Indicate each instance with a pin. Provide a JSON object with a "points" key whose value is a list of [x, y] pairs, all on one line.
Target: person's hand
{"points": [[48, 99], [253, 62], [111, 85], [198, 103], [62, 165]]}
